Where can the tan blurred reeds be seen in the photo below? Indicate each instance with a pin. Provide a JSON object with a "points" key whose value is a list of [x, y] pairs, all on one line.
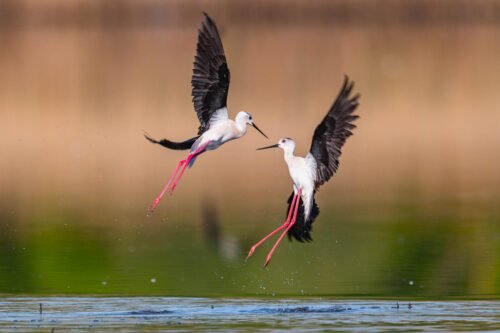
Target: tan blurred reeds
{"points": [[75, 100]]}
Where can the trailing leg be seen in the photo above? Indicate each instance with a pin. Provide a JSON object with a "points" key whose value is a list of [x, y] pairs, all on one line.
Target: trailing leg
{"points": [[290, 225], [157, 200], [197, 152]]}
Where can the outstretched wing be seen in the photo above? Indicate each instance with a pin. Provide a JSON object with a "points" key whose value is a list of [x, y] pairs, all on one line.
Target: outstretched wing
{"points": [[332, 132], [211, 76]]}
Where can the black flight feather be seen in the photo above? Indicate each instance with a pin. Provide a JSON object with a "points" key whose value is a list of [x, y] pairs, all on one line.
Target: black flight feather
{"points": [[332, 132], [210, 80]]}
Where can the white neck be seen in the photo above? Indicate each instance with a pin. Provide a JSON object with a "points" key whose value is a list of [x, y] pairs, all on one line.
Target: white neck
{"points": [[288, 151], [241, 125]]}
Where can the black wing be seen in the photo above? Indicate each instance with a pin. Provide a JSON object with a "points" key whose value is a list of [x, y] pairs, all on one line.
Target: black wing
{"points": [[211, 75], [301, 230], [184, 145], [332, 132]]}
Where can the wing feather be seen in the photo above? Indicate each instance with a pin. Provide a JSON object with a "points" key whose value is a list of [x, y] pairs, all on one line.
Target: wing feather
{"points": [[211, 76], [332, 132]]}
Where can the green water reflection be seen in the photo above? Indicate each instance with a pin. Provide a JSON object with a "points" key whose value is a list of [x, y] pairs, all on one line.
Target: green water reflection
{"points": [[350, 256]]}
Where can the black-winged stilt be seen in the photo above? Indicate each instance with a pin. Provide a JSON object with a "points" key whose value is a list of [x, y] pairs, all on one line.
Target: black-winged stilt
{"points": [[310, 172], [210, 84]]}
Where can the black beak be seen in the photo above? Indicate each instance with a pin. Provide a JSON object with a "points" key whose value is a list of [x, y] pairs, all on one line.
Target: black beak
{"points": [[258, 129], [273, 146]]}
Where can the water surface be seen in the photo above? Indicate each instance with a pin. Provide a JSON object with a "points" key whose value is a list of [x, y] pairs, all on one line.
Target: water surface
{"points": [[154, 314]]}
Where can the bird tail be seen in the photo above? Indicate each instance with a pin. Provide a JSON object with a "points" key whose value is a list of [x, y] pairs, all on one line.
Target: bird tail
{"points": [[184, 145], [302, 228]]}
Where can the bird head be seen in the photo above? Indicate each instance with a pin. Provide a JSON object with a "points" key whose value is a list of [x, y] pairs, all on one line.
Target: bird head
{"points": [[246, 118], [286, 144]]}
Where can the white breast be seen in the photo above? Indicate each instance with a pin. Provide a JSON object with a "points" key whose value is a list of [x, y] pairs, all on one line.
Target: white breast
{"points": [[301, 173], [302, 170], [220, 132]]}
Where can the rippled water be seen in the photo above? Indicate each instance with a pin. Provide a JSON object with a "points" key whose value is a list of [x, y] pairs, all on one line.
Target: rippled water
{"points": [[154, 314]]}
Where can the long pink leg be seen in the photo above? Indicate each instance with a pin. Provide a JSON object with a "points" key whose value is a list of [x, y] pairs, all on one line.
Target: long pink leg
{"points": [[268, 259], [284, 225], [157, 200], [197, 152]]}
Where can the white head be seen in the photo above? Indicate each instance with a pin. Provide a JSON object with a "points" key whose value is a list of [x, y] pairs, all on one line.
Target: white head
{"points": [[244, 118], [287, 144]]}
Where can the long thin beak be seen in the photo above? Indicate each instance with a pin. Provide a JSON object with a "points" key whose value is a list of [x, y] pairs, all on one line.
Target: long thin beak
{"points": [[273, 146], [258, 129]]}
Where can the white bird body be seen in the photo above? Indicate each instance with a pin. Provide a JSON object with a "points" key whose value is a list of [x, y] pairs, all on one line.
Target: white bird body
{"points": [[302, 171], [222, 129]]}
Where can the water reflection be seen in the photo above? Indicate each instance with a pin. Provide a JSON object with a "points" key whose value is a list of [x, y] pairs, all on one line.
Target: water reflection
{"points": [[403, 256], [227, 245]]}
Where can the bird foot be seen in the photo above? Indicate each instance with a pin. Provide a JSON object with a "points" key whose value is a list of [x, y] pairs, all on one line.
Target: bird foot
{"points": [[259, 243], [268, 259], [252, 250], [154, 204]]}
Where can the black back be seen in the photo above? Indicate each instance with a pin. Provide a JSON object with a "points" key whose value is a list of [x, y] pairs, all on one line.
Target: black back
{"points": [[210, 80], [332, 132], [301, 230]]}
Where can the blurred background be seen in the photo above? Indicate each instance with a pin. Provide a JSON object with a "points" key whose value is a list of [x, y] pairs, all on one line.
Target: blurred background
{"points": [[413, 210]]}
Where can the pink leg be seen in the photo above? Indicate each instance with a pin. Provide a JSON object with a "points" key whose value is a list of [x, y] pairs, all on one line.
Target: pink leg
{"points": [[268, 259], [284, 225], [197, 152], [157, 200]]}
